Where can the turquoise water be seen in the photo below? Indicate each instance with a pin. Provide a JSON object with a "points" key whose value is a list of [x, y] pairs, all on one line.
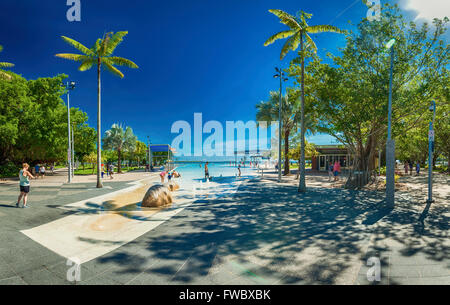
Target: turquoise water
{"points": [[223, 178], [193, 171]]}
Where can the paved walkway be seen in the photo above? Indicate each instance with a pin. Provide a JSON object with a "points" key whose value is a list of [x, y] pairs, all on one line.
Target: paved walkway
{"points": [[264, 234]]}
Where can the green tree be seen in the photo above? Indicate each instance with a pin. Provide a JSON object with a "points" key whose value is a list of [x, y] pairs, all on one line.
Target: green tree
{"points": [[140, 151], [4, 74], [351, 95], [268, 111], [119, 140], [84, 140], [298, 31], [33, 121], [101, 54]]}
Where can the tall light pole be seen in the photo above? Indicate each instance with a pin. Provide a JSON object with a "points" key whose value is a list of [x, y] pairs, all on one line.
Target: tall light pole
{"points": [[150, 161], [69, 86], [390, 144], [73, 152], [430, 153], [280, 74]]}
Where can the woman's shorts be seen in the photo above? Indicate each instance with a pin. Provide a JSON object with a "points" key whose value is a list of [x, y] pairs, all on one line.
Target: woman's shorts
{"points": [[25, 189], [336, 173]]}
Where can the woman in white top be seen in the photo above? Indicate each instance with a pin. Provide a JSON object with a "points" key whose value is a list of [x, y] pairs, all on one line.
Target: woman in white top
{"points": [[24, 184], [42, 171]]}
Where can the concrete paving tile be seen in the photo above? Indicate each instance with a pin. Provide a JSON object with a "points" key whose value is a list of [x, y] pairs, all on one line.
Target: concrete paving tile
{"points": [[17, 280], [41, 276], [444, 280], [6, 271]]}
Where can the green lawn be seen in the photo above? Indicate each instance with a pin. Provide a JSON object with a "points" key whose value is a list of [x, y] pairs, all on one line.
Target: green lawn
{"points": [[88, 170]]}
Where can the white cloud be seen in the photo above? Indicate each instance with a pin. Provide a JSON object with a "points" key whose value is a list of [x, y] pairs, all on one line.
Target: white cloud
{"points": [[428, 9]]}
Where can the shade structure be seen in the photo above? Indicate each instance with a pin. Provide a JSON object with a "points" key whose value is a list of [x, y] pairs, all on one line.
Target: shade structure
{"points": [[165, 148]]}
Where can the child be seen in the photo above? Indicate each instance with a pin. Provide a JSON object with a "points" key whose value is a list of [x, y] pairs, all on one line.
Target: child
{"points": [[162, 175]]}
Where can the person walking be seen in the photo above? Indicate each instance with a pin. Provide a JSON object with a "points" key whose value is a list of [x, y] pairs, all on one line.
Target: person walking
{"points": [[336, 170], [406, 166], [24, 185], [206, 171], [111, 171], [36, 171], [42, 171], [330, 171], [411, 166], [417, 168]]}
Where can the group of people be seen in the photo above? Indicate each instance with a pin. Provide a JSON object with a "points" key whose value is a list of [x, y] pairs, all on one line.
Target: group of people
{"points": [[39, 171], [334, 170], [408, 166], [169, 174], [109, 170]]}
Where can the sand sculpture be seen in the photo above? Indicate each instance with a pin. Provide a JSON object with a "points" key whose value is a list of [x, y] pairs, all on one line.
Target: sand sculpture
{"points": [[157, 196], [173, 186]]}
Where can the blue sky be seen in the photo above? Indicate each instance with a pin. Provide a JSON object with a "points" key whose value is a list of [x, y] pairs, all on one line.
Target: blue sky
{"points": [[194, 56]]}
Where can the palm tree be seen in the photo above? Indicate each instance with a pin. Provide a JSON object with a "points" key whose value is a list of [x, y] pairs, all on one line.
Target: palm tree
{"points": [[268, 111], [120, 140], [3, 74], [100, 54], [298, 29]]}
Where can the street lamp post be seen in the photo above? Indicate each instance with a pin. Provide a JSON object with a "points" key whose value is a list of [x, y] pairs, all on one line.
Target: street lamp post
{"points": [[69, 86], [430, 154], [73, 152], [390, 143], [280, 74]]}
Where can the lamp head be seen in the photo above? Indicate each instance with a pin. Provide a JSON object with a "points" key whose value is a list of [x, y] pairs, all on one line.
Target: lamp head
{"points": [[390, 43], [432, 106]]}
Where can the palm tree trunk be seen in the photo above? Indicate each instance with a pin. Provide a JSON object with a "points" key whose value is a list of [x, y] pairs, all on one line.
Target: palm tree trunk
{"points": [[302, 182], [119, 162], [286, 153], [99, 135]]}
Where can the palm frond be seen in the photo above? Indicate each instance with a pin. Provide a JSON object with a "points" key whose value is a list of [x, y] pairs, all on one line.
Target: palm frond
{"points": [[112, 69], [86, 65], [77, 45], [291, 44], [280, 35], [304, 16], [286, 19], [6, 65], [74, 57], [4, 75], [96, 46], [104, 44], [120, 61], [115, 40], [310, 44], [324, 28]]}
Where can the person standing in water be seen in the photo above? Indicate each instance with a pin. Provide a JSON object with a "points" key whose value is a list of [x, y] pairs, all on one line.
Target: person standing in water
{"points": [[24, 185], [206, 171], [239, 170]]}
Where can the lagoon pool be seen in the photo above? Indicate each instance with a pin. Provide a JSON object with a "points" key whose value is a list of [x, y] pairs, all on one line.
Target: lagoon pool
{"points": [[223, 180]]}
